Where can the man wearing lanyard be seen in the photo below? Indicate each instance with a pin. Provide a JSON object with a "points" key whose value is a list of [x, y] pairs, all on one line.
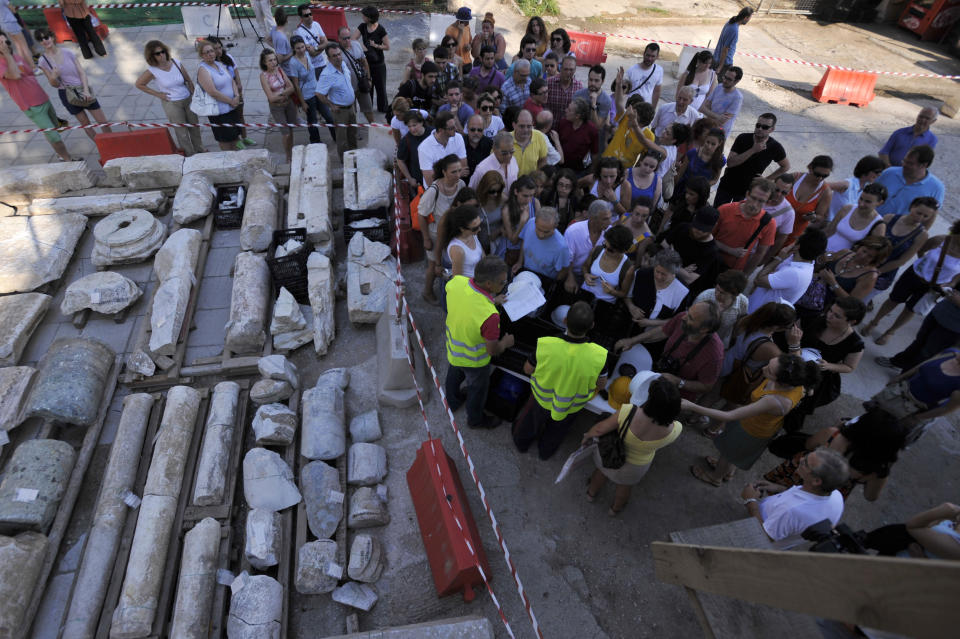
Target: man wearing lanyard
{"points": [[313, 37], [335, 89]]}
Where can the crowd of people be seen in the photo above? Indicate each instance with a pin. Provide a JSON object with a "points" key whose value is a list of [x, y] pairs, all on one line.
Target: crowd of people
{"points": [[751, 308]]}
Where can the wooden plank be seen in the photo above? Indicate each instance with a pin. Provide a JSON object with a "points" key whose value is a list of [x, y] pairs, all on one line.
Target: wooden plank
{"points": [[906, 596], [69, 499], [130, 526], [218, 612], [730, 617]]}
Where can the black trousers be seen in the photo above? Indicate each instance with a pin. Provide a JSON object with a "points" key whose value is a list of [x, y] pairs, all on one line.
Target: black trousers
{"points": [[378, 77], [536, 424], [86, 35], [931, 339]]}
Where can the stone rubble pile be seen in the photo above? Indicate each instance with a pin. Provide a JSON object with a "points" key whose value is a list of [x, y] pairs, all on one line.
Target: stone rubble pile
{"points": [[279, 379]]}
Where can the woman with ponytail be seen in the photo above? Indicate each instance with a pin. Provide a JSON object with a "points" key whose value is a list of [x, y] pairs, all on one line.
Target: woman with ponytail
{"points": [[750, 428]]}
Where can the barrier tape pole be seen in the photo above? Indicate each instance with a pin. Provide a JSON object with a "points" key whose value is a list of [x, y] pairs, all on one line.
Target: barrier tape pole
{"points": [[186, 125], [423, 411], [821, 65], [401, 299]]}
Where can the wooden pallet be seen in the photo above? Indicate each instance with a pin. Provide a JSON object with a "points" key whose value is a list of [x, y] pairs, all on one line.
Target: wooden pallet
{"points": [[172, 566], [153, 422], [65, 509], [171, 376]]}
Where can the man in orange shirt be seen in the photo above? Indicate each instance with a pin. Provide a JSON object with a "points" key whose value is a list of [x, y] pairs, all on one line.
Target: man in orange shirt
{"points": [[461, 31], [744, 233]]}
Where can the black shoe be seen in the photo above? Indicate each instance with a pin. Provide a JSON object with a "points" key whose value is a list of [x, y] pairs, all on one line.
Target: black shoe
{"points": [[61, 122], [488, 422]]}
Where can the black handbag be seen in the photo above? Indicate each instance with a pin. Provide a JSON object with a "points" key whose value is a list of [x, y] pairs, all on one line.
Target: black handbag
{"points": [[613, 452]]}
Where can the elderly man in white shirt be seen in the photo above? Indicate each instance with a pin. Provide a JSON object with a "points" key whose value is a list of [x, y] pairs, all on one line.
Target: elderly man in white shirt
{"points": [[680, 111], [787, 512], [500, 160]]}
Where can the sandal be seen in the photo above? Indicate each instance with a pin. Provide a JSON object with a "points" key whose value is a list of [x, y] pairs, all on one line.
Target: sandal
{"points": [[613, 512], [590, 497], [883, 339], [713, 462], [700, 474], [713, 431]]}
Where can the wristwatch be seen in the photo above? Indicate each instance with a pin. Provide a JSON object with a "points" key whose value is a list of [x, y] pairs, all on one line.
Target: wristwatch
{"points": [[680, 384], [750, 499]]}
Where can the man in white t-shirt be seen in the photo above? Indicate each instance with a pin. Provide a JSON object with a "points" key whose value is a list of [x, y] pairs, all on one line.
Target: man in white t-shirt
{"points": [[582, 236], [787, 277], [646, 77], [779, 208], [787, 512], [313, 37], [443, 142]]}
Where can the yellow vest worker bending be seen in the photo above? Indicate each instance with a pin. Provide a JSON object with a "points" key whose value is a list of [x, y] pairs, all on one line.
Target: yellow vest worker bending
{"points": [[566, 373], [473, 336]]}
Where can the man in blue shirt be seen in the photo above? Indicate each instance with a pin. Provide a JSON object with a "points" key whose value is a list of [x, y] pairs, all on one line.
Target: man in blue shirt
{"points": [[516, 89], [910, 181], [727, 43], [456, 105], [902, 140], [335, 89], [543, 249], [723, 104]]}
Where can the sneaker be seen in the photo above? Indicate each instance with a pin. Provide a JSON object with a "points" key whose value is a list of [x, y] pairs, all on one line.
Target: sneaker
{"points": [[37, 71], [240, 145], [488, 422], [886, 363], [249, 142]]}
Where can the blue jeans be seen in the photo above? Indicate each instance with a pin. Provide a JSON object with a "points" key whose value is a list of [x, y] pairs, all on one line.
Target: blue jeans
{"points": [[478, 382]]}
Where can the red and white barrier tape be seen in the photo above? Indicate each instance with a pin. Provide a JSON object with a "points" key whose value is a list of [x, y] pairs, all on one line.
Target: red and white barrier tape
{"points": [[402, 305], [820, 65], [758, 56], [154, 5], [185, 125]]}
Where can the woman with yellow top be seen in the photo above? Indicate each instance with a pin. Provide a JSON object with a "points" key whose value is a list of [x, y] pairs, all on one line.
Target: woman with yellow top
{"points": [[651, 426], [750, 428]]}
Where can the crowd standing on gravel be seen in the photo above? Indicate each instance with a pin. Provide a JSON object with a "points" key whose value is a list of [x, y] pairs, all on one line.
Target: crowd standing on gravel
{"points": [[751, 309]]}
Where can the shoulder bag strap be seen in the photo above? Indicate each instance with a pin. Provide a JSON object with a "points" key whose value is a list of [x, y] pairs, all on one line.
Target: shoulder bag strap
{"points": [[943, 255], [763, 222], [625, 426], [186, 80], [357, 69], [646, 79]]}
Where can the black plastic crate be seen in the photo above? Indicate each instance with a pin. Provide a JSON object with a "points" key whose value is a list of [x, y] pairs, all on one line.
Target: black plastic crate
{"points": [[352, 215], [378, 233], [226, 216], [290, 271]]}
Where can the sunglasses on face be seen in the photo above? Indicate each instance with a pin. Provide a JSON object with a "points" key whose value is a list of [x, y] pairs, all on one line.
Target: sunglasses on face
{"points": [[154, 53], [530, 50], [486, 107], [475, 130], [495, 192], [821, 176], [764, 127], [474, 229]]}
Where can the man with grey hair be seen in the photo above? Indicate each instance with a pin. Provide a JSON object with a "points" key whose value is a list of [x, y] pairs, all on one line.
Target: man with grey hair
{"points": [[516, 90], [902, 140], [787, 512], [582, 236], [500, 160], [542, 248], [692, 351], [554, 148], [680, 111]]}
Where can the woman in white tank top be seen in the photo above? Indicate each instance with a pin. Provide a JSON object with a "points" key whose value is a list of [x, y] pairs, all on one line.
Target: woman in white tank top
{"points": [[601, 273], [853, 223], [464, 249], [174, 88]]}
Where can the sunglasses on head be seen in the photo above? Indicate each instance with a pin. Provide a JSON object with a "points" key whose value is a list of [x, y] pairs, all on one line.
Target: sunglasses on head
{"points": [[765, 127]]}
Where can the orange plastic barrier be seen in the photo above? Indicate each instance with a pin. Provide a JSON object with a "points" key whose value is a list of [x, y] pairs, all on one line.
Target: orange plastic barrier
{"points": [[588, 48], [128, 144], [846, 87], [330, 21], [62, 31], [439, 501]]}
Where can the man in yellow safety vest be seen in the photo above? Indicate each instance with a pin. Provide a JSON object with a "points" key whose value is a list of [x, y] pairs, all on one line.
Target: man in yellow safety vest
{"points": [[473, 336], [565, 373]]}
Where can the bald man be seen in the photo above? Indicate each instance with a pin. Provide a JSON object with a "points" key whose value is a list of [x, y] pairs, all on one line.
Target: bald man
{"points": [[902, 140]]}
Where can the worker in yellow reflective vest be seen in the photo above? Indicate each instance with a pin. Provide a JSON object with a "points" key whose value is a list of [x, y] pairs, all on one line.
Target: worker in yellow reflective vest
{"points": [[473, 336], [565, 373]]}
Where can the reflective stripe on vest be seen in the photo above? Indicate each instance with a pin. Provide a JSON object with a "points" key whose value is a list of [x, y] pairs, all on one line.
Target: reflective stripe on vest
{"points": [[566, 375], [467, 309]]}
